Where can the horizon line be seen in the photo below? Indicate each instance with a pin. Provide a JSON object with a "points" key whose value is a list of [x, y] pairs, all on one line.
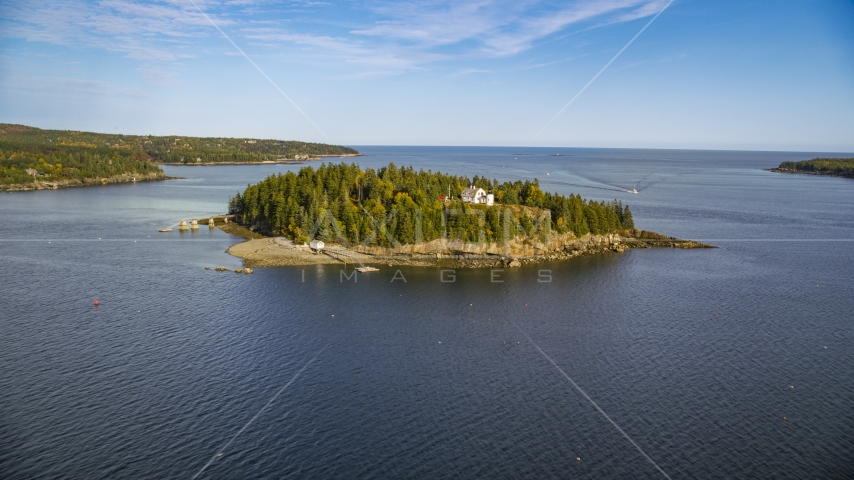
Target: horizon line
{"points": [[674, 148], [598, 148]]}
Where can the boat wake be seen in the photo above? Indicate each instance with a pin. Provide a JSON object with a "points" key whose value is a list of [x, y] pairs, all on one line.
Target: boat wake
{"points": [[646, 182], [604, 185], [579, 185]]}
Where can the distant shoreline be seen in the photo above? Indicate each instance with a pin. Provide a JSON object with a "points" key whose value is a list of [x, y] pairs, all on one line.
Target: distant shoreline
{"points": [[38, 159], [830, 167], [264, 162], [214, 164], [804, 172]]}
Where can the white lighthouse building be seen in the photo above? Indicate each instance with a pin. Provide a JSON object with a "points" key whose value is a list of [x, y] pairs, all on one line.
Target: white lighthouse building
{"points": [[477, 195]]}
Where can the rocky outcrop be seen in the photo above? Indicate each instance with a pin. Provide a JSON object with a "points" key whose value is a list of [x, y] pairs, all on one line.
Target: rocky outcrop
{"points": [[810, 172], [524, 250], [85, 182], [458, 254]]}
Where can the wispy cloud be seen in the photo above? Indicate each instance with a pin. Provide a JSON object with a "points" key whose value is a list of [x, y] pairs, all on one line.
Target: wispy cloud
{"points": [[336, 49], [150, 31], [496, 27], [157, 76], [673, 58], [69, 87], [470, 71], [411, 34], [553, 62], [523, 33], [432, 23], [382, 36]]}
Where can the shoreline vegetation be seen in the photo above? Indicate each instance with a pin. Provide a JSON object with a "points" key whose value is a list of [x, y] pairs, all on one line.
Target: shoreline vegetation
{"points": [[399, 216], [36, 159], [835, 167], [57, 183]]}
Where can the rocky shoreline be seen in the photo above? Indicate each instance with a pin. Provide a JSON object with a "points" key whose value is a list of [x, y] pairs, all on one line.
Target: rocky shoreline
{"points": [[215, 164], [287, 161], [279, 251], [804, 172], [87, 182]]}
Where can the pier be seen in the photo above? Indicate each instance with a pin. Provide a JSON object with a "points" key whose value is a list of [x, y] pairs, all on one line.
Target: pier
{"points": [[342, 257]]}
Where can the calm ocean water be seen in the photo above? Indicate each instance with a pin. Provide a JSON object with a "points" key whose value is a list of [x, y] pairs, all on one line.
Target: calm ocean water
{"points": [[728, 363]]}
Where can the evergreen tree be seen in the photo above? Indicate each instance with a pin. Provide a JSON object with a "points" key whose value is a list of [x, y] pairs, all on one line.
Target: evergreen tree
{"points": [[392, 205]]}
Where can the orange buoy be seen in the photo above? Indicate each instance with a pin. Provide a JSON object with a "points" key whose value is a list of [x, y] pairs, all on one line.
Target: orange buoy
{"points": [[96, 303]]}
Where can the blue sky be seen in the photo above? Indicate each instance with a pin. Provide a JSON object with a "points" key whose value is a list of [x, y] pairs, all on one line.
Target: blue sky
{"points": [[768, 75]]}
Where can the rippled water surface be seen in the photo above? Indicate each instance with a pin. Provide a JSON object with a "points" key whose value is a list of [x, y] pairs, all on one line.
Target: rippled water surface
{"points": [[728, 363]]}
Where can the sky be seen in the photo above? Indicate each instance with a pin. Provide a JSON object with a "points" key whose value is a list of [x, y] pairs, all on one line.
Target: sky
{"points": [[701, 74]]}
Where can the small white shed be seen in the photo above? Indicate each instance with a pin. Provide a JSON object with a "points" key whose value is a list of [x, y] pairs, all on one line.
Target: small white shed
{"points": [[316, 245]]}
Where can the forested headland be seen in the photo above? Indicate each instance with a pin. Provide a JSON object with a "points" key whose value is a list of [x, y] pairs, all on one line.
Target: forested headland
{"points": [[63, 155], [840, 167], [30, 156], [342, 203]]}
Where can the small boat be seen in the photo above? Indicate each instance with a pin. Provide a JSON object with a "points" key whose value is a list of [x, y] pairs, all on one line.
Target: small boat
{"points": [[635, 190], [368, 269], [165, 230]]}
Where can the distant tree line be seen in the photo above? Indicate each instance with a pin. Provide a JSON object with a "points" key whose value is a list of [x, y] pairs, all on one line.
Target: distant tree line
{"points": [[835, 166], [392, 204], [164, 149], [231, 150], [23, 162]]}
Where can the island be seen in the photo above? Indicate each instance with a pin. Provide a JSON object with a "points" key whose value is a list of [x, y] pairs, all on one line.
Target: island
{"points": [[34, 159], [341, 213], [836, 167]]}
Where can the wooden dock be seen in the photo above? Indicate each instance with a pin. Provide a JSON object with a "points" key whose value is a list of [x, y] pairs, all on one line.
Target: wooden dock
{"points": [[342, 257]]}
